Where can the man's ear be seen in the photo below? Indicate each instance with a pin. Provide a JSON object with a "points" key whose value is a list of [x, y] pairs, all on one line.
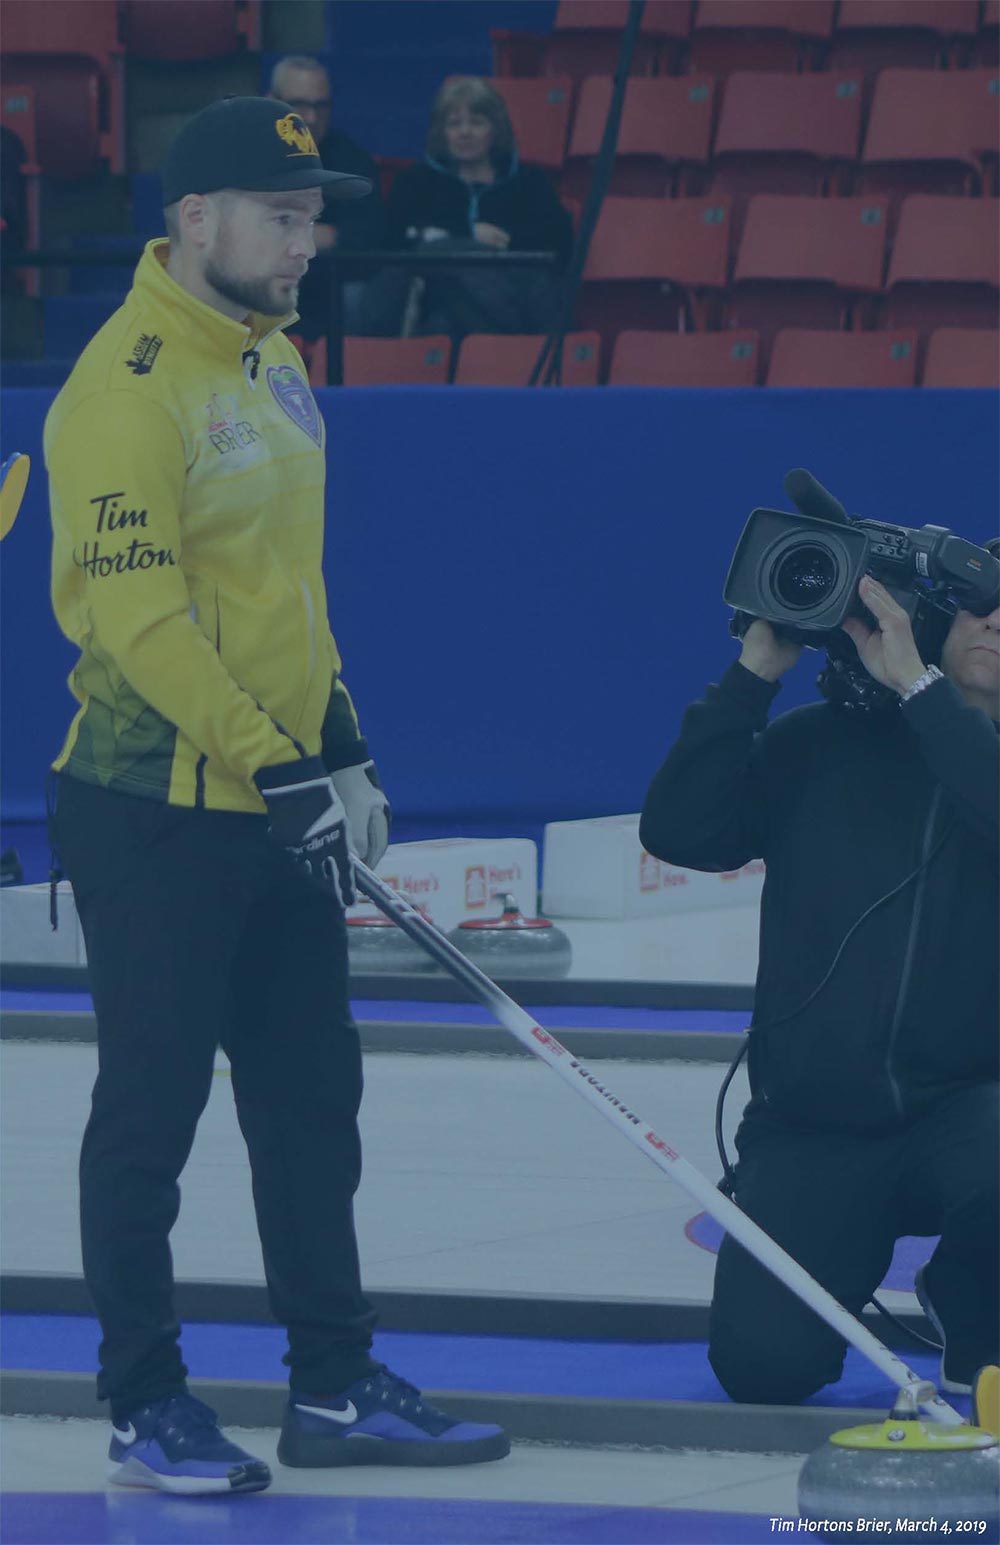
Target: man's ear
{"points": [[197, 218]]}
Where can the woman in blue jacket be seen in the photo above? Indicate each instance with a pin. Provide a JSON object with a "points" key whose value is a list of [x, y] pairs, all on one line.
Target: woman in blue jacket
{"points": [[473, 192]]}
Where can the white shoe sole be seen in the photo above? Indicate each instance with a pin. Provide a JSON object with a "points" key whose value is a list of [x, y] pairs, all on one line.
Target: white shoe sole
{"points": [[132, 1472]]}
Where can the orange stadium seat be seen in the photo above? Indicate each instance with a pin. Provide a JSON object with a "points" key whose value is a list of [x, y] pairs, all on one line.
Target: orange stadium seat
{"points": [[759, 34], [963, 356], [189, 29], [397, 361], [785, 133], [665, 130], [586, 38], [945, 265], [684, 359], [872, 35], [985, 49], [68, 52], [655, 262], [930, 131], [508, 359], [18, 114], [539, 112], [801, 357], [806, 263]]}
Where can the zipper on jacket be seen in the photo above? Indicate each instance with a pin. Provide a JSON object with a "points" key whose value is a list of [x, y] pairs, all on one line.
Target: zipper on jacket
{"points": [[312, 627], [904, 980]]}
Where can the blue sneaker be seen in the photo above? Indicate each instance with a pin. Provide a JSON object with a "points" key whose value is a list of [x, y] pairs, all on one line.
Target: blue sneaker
{"points": [[175, 1445], [381, 1420]]}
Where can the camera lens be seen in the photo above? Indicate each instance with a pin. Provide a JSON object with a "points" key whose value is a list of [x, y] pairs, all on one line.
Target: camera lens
{"points": [[805, 576]]}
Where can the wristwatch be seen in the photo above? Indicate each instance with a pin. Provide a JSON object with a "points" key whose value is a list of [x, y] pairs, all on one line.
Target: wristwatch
{"points": [[930, 674]]}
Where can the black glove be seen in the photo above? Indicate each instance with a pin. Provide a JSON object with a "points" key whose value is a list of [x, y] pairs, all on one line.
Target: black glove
{"points": [[307, 818]]}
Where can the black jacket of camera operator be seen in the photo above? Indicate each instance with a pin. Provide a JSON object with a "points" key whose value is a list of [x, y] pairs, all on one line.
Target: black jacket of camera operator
{"points": [[842, 807]]}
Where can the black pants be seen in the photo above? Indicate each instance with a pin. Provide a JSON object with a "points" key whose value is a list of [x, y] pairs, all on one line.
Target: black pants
{"points": [[838, 1202], [200, 933]]}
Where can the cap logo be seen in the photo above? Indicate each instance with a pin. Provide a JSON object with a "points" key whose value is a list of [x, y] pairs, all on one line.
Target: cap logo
{"points": [[295, 133]]}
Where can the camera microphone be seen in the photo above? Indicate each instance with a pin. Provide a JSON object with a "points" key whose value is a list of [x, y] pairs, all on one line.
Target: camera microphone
{"points": [[812, 499]]}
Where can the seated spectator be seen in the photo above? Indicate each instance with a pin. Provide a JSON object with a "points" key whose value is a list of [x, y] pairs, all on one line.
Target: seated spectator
{"points": [[472, 193], [346, 224]]}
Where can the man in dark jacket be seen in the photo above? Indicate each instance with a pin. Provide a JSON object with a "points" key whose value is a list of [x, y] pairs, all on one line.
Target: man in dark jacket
{"points": [[873, 1072], [304, 84]]}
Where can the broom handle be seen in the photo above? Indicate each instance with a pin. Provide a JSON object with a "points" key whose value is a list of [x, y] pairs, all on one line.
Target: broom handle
{"points": [[593, 1089]]}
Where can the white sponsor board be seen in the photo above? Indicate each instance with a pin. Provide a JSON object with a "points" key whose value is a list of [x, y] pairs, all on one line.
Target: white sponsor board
{"points": [[459, 878], [26, 933], [599, 868]]}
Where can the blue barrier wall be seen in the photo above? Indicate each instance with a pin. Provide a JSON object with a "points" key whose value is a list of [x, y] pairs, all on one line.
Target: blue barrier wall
{"points": [[526, 585]]}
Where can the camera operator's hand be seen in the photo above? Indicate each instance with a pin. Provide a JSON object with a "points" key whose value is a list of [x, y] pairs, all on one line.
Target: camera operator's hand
{"points": [[765, 653], [888, 652]]}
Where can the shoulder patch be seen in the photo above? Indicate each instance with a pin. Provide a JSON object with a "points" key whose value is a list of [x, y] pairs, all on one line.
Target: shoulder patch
{"points": [[144, 351]]}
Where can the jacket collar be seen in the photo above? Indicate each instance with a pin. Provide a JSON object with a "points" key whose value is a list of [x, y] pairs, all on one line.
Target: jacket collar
{"points": [[231, 340]]}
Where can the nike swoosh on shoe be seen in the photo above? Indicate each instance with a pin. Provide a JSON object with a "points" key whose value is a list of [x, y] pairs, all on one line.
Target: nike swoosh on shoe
{"points": [[345, 1417]]}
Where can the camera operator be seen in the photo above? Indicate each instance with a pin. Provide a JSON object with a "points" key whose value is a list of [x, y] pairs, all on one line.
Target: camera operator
{"points": [[874, 1099]]}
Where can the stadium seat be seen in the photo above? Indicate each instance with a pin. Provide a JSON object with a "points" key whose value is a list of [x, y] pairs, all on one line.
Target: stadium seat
{"points": [[963, 356], [17, 113], [389, 168], [68, 52], [665, 131], [492, 359], [586, 39], [930, 131], [539, 112], [396, 361], [759, 35], [984, 51], [175, 30], [684, 359], [945, 266], [802, 357], [655, 263], [785, 133], [873, 35], [806, 263]]}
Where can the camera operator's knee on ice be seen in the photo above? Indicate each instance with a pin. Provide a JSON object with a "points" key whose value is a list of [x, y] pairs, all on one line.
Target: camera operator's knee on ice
{"points": [[876, 1000]]}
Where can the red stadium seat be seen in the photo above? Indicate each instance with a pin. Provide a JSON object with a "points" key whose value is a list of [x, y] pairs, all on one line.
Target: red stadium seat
{"points": [[684, 359], [539, 112], [930, 131], [806, 263], [586, 38], [397, 361], [494, 359], [189, 29], [18, 114], [785, 133], [801, 357], [984, 52], [759, 34], [666, 129], [68, 53], [389, 168], [963, 356], [945, 266], [655, 262], [873, 35]]}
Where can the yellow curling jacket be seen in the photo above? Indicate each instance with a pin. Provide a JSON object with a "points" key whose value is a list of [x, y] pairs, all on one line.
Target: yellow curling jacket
{"points": [[186, 469]]}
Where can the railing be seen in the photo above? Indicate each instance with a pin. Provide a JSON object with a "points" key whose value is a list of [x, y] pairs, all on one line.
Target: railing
{"points": [[373, 259]]}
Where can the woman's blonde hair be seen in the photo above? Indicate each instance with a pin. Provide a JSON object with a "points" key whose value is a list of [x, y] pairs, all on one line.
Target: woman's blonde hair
{"points": [[479, 97]]}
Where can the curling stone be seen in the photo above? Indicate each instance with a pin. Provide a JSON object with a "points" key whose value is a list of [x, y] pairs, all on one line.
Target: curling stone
{"points": [[904, 1476], [514, 946], [374, 944]]}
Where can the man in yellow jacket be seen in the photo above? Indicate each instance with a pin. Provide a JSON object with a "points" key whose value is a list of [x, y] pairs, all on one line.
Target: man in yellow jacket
{"points": [[210, 789]]}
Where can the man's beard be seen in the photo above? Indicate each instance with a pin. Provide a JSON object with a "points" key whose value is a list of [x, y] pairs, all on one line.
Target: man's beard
{"points": [[252, 294]]}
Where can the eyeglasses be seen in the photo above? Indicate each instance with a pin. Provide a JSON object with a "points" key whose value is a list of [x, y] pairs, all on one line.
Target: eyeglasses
{"points": [[304, 103]]}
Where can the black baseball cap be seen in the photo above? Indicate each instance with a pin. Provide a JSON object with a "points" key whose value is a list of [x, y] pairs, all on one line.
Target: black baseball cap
{"points": [[255, 144]]}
